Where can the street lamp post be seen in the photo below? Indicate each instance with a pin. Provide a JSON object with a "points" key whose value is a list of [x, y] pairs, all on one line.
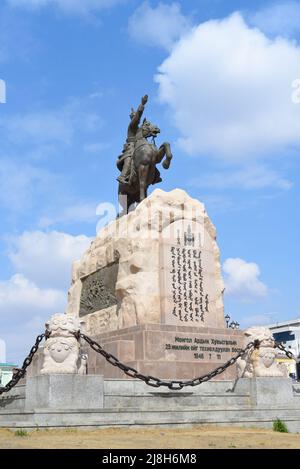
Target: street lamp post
{"points": [[233, 324], [227, 319]]}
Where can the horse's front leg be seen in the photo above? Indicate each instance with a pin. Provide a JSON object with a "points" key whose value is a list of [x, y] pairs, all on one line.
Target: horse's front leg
{"points": [[165, 149], [143, 177]]}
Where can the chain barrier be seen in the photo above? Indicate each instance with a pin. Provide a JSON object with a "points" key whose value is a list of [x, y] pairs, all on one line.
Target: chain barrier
{"points": [[20, 372], [287, 352], [174, 385], [156, 382]]}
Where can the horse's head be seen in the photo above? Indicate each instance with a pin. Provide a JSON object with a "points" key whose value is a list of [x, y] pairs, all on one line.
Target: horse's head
{"points": [[149, 129]]}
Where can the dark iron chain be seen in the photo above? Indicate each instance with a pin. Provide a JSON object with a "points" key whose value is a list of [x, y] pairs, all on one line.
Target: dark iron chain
{"points": [[287, 352], [128, 370], [156, 382], [20, 372]]}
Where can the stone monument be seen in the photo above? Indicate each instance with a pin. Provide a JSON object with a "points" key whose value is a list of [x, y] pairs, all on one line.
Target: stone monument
{"points": [[150, 291]]}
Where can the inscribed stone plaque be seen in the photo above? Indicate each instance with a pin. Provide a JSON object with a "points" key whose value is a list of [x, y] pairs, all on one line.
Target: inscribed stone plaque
{"points": [[188, 277], [98, 290]]}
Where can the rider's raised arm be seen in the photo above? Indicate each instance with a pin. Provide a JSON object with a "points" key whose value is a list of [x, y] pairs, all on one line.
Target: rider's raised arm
{"points": [[137, 117]]}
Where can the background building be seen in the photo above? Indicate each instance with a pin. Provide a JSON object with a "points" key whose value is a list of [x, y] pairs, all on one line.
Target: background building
{"points": [[6, 369], [288, 333], [6, 372]]}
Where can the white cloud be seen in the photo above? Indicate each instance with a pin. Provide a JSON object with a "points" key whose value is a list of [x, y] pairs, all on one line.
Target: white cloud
{"points": [[39, 288], [242, 280], [228, 88], [250, 177], [24, 309], [46, 258], [77, 7], [158, 26], [278, 19], [21, 298]]}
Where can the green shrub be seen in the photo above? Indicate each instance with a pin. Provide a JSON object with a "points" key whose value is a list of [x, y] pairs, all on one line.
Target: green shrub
{"points": [[21, 432], [279, 426]]}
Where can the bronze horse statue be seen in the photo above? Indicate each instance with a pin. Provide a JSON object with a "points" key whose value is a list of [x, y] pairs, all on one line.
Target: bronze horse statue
{"points": [[146, 156]]}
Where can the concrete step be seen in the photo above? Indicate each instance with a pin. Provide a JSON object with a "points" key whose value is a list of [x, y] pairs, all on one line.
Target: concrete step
{"points": [[262, 417], [185, 399], [15, 415], [136, 386], [14, 399]]}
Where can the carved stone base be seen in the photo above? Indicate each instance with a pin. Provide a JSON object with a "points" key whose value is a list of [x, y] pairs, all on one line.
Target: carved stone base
{"points": [[166, 351], [64, 391]]}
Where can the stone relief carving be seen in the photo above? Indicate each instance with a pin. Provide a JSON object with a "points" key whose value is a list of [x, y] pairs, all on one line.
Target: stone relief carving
{"points": [[98, 290], [61, 351], [102, 320]]}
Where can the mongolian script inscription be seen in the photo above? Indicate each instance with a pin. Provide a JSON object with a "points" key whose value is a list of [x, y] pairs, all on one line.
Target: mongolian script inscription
{"points": [[190, 300], [98, 290]]}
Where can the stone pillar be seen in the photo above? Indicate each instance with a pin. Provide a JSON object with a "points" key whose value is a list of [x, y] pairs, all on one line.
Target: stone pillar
{"points": [[64, 391], [268, 391]]}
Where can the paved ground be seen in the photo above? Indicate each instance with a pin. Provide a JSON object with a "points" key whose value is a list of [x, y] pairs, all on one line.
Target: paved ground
{"points": [[196, 437]]}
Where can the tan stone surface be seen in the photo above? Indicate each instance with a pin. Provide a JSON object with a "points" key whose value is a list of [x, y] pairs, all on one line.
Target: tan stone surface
{"points": [[141, 243], [168, 352]]}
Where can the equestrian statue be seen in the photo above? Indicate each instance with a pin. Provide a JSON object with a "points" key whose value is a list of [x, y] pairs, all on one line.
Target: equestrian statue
{"points": [[139, 158]]}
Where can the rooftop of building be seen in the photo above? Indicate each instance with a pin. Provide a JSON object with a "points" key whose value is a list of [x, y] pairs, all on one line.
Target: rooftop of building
{"points": [[290, 323]]}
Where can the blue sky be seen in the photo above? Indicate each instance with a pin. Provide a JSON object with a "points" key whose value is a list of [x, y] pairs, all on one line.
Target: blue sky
{"points": [[219, 77]]}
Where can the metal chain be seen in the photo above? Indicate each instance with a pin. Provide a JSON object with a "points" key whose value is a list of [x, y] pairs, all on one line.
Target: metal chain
{"points": [[20, 372], [128, 370], [287, 352], [156, 382]]}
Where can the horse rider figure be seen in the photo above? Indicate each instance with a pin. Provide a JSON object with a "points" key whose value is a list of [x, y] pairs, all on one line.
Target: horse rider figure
{"points": [[124, 162]]}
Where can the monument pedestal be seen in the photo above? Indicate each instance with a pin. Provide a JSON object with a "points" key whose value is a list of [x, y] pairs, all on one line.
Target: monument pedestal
{"points": [[150, 290], [166, 351], [267, 391], [64, 391]]}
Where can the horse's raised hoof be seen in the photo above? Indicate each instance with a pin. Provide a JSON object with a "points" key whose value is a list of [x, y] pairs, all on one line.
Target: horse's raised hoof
{"points": [[166, 164]]}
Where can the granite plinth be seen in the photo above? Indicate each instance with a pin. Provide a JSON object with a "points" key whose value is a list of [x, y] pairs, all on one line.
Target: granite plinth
{"points": [[64, 391], [166, 351]]}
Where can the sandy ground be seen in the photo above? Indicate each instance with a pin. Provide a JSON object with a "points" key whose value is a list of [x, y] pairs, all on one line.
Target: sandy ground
{"points": [[182, 438]]}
